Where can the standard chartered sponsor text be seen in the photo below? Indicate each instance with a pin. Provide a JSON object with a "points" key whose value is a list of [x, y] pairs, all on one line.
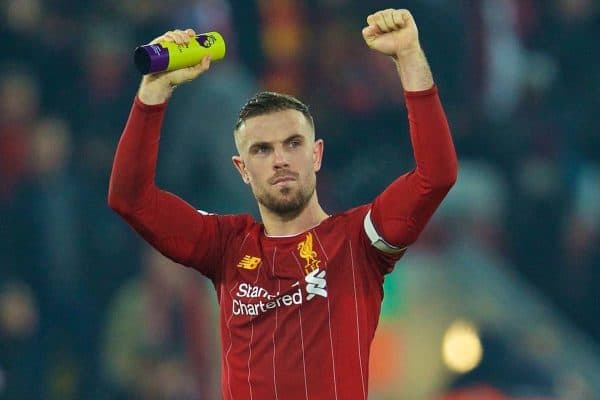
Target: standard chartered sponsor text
{"points": [[246, 290]]}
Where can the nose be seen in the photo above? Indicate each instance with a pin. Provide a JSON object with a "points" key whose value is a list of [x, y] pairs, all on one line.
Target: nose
{"points": [[280, 159]]}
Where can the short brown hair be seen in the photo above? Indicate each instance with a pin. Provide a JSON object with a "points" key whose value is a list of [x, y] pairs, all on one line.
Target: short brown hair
{"points": [[268, 102]]}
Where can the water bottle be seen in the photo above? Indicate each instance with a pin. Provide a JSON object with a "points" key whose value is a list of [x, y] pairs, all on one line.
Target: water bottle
{"points": [[169, 56]]}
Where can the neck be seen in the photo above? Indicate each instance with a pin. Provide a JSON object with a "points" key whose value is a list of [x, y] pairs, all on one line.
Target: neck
{"points": [[278, 225]]}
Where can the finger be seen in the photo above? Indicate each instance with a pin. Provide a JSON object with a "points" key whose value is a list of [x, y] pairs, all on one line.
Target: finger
{"points": [[162, 38], [397, 19], [380, 22], [401, 17], [205, 63], [372, 22], [186, 35], [369, 33], [169, 36], [388, 19], [193, 71], [175, 36], [181, 36]]}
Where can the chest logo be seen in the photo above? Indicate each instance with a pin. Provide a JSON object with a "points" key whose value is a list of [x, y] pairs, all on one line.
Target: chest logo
{"points": [[305, 249], [316, 284], [249, 262]]}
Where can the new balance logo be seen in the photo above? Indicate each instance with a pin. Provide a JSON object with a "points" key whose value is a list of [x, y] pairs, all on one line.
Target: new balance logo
{"points": [[315, 284], [249, 262]]}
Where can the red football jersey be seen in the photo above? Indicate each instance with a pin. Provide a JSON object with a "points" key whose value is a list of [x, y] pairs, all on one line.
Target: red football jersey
{"points": [[298, 313]]}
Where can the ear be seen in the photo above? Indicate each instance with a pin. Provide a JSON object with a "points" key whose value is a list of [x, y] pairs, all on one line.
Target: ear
{"points": [[241, 167], [318, 154]]}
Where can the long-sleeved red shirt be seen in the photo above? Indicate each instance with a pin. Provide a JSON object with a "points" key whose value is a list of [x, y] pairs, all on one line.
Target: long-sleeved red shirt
{"points": [[297, 313]]}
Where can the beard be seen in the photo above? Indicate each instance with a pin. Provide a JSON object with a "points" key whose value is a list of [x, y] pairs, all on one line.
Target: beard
{"points": [[286, 206]]}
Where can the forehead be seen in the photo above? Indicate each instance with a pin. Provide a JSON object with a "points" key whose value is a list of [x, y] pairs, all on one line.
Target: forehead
{"points": [[274, 126]]}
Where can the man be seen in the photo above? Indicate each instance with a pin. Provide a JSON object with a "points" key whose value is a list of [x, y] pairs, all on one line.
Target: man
{"points": [[299, 293]]}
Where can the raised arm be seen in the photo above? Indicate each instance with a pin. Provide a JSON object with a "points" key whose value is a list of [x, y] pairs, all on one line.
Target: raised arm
{"points": [[401, 212], [167, 222]]}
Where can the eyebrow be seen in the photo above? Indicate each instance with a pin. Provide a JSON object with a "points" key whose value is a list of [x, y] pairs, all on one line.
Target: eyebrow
{"points": [[293, 137]]}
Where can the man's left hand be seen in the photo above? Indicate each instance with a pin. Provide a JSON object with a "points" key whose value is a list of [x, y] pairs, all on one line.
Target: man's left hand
{"points": [[392, 32]]}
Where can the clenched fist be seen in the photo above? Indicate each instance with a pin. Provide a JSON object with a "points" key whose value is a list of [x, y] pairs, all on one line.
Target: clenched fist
{"points": [[392, 32]]}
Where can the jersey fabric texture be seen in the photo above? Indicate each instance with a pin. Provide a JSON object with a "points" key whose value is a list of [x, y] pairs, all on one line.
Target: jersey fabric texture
{"points": [[297, 313]]}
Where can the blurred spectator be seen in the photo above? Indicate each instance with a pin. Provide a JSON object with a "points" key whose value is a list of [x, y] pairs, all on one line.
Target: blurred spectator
{"points": [[581, 250], [50, 236], [284, 40], [156, 344], [19, 107], [20, 351], [565, 33], [103, 93]]}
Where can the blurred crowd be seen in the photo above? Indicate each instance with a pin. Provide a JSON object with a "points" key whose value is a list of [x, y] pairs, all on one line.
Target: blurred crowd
{"points": [[87, 310]]}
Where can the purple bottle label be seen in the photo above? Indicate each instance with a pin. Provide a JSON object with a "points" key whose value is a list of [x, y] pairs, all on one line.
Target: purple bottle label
{"points": [[159, 57]]}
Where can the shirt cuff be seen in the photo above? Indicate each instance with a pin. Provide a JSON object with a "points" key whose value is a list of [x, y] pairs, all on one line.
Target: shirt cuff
{"points": [[149, 108], [421, 93]]}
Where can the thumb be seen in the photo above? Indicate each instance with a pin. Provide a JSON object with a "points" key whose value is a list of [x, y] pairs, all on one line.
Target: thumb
{"points": [[191, 73], [370, 32]]}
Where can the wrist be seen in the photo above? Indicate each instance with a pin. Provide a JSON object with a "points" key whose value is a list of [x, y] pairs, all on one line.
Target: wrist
{"points": [[408, 53], [155, 91], [414, 70]]}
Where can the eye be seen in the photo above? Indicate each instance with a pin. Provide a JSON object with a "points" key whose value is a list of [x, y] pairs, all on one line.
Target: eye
{"points": [[261, 148], [294, 143]]}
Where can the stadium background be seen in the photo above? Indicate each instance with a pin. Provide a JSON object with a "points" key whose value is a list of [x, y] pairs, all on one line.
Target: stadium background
{"points": [[499, 298]]}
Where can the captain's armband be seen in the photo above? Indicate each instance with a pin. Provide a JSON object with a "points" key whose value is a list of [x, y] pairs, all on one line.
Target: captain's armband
{"points": [[376, 240]]}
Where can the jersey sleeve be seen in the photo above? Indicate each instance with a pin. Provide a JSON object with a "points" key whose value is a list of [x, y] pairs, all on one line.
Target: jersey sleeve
{"points": [[399, 214], [167, 222]]}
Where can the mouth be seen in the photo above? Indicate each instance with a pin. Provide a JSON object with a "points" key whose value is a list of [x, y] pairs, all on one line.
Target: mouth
{"points": [[282, 180]]}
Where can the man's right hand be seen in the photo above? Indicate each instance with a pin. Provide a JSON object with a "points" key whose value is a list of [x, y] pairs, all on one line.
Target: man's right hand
{"points": [[157, 88]]}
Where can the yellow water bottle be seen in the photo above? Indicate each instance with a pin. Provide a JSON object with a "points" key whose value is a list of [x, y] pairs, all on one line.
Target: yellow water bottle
{"points": [[169, 56]]}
